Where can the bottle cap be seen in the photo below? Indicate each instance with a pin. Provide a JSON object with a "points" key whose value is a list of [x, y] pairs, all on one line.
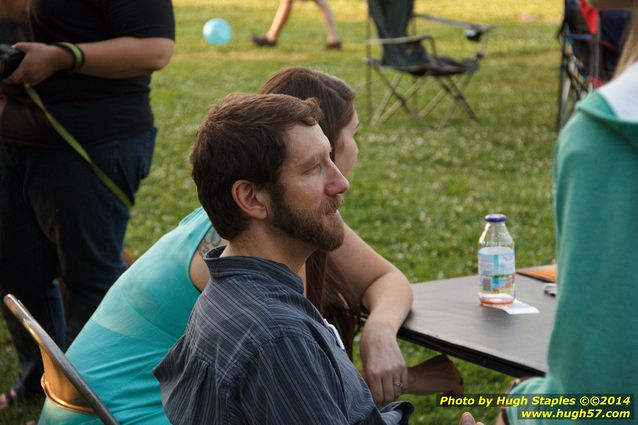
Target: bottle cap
{"points": [[495, 218]]}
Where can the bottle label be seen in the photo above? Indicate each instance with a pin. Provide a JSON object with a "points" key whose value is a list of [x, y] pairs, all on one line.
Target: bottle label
{"points": [[496, 268]]}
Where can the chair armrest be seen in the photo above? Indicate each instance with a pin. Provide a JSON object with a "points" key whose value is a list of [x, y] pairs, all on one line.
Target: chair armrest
{"points": [[400, 40], [457, 23]]}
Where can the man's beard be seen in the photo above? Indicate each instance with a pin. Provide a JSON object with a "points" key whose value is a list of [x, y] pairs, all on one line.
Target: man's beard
{"points": [[307, 225]]}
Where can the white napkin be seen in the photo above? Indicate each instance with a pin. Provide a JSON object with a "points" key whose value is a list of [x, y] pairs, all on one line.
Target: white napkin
{"points": [[517, 307]]}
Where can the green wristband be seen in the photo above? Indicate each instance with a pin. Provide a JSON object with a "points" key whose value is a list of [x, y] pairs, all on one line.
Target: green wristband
{"points": [[76, 53]]}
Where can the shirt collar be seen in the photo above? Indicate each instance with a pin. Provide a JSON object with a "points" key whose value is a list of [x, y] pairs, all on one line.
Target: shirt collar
{"points": [[223, 268]]}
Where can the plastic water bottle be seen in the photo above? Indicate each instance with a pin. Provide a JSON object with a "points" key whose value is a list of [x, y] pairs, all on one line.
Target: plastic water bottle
{"points": [[496, 264]]}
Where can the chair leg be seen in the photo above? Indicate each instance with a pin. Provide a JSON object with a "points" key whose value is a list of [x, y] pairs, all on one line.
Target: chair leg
{"points": [[369, 93], [461, 89], [456, 91], [572, 88], [565, 92], [410, 92], [433, 103], [454, 87], [381, 114]]}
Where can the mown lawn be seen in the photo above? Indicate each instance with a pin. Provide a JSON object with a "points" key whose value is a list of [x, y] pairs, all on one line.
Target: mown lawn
{"points": [[417, 195]]}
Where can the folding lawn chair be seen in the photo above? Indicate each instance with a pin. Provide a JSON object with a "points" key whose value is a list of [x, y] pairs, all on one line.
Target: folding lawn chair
{"points": [[61, 382], [406, 55], [591, 40]]}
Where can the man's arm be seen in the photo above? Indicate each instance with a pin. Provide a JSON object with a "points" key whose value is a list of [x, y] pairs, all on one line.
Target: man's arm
{"points": [[122, 57], [295, 380]]}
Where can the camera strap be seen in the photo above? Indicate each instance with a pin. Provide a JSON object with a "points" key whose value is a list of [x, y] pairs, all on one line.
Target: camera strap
{"points": [[72, 141]]}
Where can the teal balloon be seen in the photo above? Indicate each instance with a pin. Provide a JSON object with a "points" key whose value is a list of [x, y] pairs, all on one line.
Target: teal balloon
{"points": [[217, 31]]}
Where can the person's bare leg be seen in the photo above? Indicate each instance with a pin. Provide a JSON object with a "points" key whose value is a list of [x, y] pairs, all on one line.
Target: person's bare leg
{"points": [[434, 376], [331, 23], [281, 17]]}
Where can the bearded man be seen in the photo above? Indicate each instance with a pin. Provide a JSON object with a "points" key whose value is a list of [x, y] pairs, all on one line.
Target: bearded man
{"points": [[256, 351]]}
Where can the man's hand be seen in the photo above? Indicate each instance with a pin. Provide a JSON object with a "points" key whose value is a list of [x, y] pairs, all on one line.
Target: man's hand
{"points": [[384, 368], [40, 61]]}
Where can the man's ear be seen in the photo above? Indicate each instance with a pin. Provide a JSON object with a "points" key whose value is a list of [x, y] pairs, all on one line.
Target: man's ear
{"points": [[250, 199]]}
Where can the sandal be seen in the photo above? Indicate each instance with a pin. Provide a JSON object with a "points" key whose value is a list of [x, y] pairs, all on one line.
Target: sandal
{"points": [[9, 399], [262, 41]]}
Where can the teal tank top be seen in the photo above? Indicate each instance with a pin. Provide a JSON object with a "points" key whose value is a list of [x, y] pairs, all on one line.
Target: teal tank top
{"points": [[138, 321]]}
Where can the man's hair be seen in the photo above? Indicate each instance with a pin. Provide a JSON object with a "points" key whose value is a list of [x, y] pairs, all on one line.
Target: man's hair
{"points": [[244, 137], [335, 96]]}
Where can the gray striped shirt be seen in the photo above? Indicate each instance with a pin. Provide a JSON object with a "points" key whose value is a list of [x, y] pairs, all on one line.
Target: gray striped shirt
{"points": [[256, 351]]}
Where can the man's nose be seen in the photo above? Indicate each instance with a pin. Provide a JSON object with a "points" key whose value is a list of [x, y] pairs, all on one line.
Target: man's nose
{"points": [[337, 183]]}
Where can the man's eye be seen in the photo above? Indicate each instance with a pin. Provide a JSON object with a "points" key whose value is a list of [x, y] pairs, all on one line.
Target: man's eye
{"points": [[316, 167]]}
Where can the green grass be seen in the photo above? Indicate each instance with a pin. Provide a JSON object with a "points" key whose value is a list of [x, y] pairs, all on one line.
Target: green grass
{"points": [[417, 195]]}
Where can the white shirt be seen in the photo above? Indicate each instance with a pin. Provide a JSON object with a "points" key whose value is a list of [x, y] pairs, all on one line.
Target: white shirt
{"points": [[621, 94]]}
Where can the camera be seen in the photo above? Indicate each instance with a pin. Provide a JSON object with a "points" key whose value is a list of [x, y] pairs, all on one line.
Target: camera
{"points": [[10, 59]]}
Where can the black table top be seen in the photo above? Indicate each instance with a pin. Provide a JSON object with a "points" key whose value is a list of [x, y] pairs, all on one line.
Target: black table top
{"points": [[446, 317]]}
